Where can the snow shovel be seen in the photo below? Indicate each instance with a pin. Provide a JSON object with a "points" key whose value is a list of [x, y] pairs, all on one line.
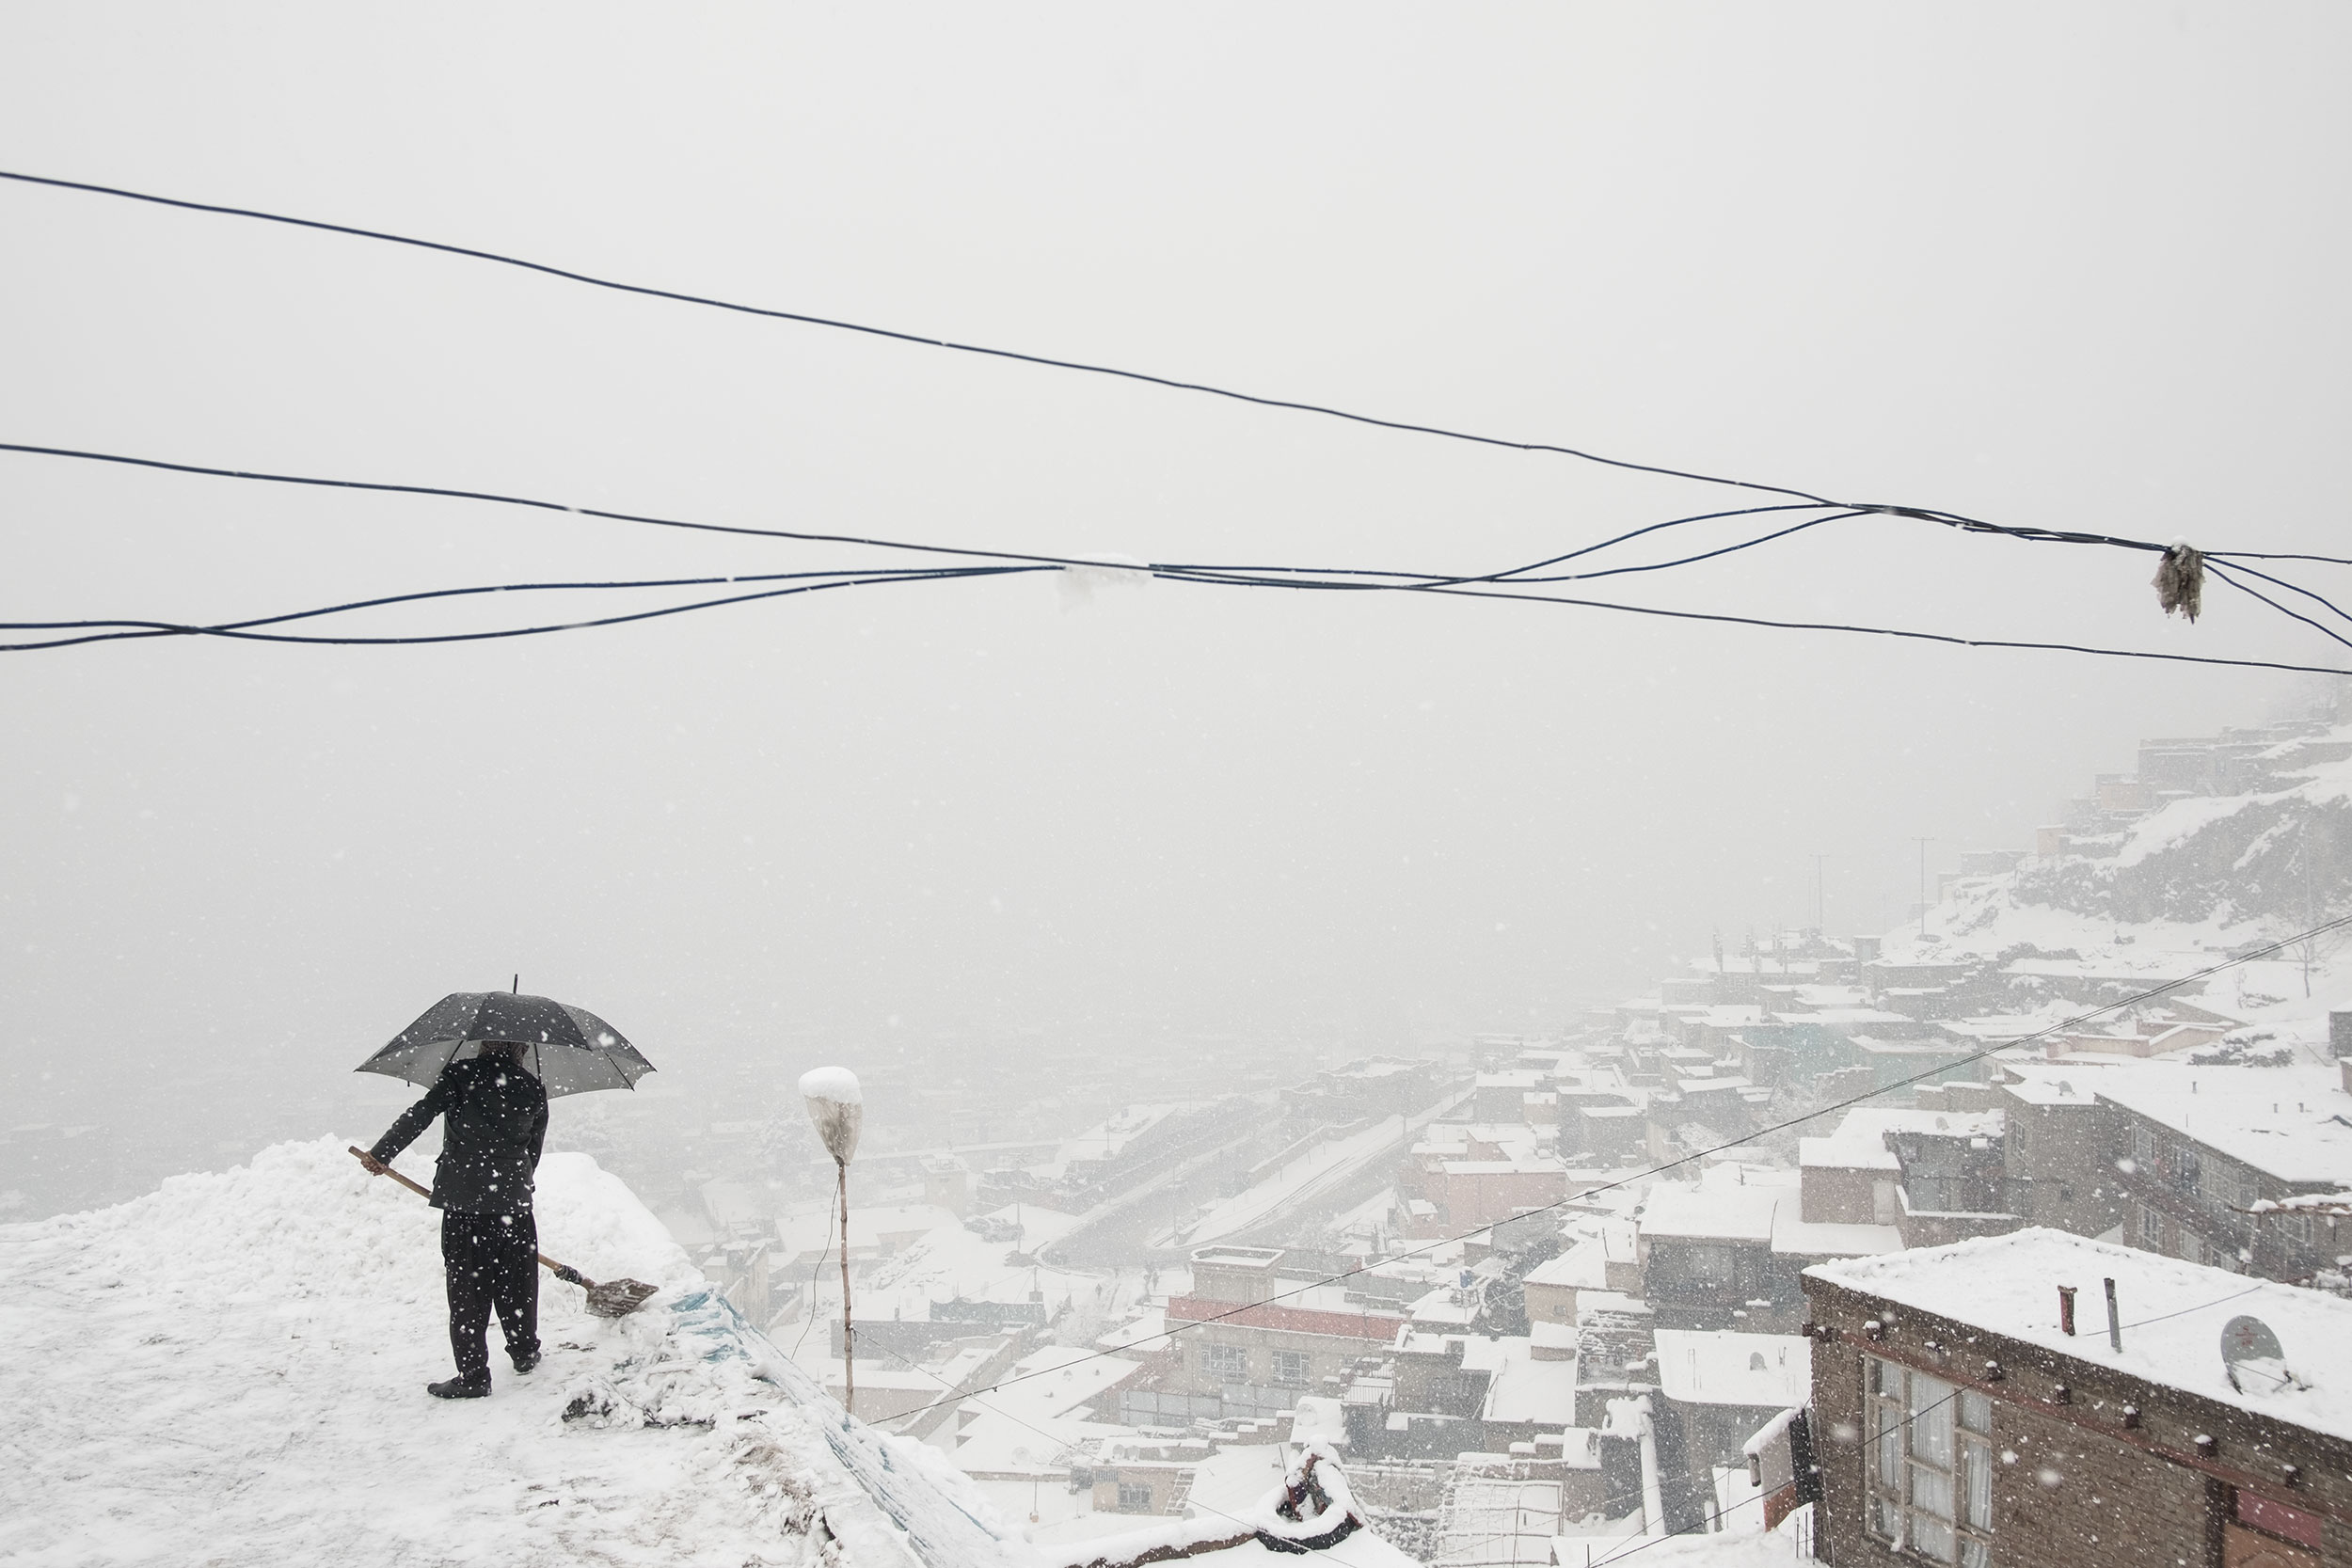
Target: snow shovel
{"points": [[614, 1298]]}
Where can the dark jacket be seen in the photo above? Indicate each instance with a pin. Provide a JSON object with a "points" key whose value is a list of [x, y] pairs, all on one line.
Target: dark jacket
{"points": [[498, 1123]]}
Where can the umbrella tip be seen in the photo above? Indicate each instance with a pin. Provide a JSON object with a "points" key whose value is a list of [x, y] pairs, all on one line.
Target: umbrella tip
{"points": [[518, 985]]}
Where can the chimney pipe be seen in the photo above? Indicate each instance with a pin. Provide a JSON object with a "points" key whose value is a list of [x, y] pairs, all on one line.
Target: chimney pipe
{"points": [[2114, 1322], [2066, 1310]]}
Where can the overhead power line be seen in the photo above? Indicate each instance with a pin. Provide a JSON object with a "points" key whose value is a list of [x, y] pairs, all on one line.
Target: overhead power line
{"points": [[1326, 578], [1506, 584], [572, 275], [893, 334], [243, 630]]}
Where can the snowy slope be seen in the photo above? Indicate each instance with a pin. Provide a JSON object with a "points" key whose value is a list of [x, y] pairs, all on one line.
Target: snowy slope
{"points": [[2197, 879], [231, 1370]]}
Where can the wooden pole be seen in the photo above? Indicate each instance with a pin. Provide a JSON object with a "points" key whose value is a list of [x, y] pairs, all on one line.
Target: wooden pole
{"points": [[849, 1339]]}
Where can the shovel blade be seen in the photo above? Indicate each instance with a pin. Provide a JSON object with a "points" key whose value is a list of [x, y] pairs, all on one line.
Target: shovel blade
{"points": [[618, 1298]]}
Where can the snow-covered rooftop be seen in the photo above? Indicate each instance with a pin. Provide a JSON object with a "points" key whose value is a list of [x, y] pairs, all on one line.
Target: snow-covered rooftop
{"points": [[1860, 1143], [2069, 1088], [1525, 1389], [1714, 1213], [1793, 1236], [2294, 1122], [1722, 1367], [2172, 1313]]}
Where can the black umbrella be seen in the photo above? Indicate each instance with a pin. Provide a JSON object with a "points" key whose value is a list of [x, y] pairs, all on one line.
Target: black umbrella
{"points": [[569, 1050]]}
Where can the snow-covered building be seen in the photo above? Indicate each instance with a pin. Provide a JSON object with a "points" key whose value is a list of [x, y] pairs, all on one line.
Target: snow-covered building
{"points": [[1251, 1355], [2060, 1150], [1854, 1176], [1606, 1259], [1706, 1252], [1977, 1407], [1720, 1385], [2199, 1147]]}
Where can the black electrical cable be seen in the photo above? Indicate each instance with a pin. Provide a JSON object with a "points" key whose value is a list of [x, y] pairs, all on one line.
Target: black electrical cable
{"points": [[1948, 519], [2226, 575], [168, 628], [2295, 588], [141, 629], [534, 503], [1511, 572], [923, 339], [1945, 638], [2276, 555], [1291, 578]]}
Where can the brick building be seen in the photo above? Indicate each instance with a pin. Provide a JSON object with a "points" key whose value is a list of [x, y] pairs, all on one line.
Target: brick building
{"points": [[1251, 1357], [2199, 1147], [2060, 1150], [1956, 1419], [1707, 1256]]}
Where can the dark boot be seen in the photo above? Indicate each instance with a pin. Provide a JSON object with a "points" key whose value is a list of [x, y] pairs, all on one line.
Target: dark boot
{"points": [[524, 1359], [475, 1385]]}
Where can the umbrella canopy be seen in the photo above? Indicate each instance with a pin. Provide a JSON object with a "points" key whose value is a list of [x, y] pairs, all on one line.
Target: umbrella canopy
{"points": [[569, 1050]]}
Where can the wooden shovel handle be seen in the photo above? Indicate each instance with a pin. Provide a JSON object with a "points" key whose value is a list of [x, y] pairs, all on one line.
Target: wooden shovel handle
{"points": [[563, 1272], [358, 1153]]}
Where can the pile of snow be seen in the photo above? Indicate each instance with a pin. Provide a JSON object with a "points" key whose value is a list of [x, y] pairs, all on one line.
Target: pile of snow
{"points": [[231, 1369]]}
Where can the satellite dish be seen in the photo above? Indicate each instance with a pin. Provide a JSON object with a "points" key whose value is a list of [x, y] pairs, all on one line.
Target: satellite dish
{"points": [[2245, 1338], [2252, 1356]]}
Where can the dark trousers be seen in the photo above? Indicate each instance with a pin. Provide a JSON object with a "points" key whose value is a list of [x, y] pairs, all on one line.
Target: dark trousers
{"points": [[491, 1261]]}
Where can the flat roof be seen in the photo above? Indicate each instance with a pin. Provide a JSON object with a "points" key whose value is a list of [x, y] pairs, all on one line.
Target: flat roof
{"points": [[1799, 1237], [2074, 1087], [1723, 1367], [1714, 1213], [2290, 1122], [2172, 1313], [1860, 1143]]}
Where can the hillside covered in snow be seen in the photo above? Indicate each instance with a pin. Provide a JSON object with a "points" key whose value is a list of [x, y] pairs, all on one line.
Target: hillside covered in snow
{"points": [[2215, 848]]}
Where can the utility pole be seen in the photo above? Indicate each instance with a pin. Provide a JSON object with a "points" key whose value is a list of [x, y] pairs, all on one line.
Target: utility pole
{"points": [[1923, 844], [2310, 946], [1820, 920]]}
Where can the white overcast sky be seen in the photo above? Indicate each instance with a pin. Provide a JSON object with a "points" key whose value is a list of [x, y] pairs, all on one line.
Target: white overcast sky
{"points": [[2072, 265]]}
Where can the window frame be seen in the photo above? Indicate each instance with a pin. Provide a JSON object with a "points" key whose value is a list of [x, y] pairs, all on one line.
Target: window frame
{"points": [[1927, 1466], [1127, 1497], [1225, 1363], [1292, 1369]]}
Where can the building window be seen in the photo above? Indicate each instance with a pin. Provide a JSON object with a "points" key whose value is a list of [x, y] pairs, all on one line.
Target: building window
{"points": [[1290, 1369], [1709, 1264], [1135, 1496], [1930, 1466], [2151, 1229], [2144, 1149], [1225, 1363]]}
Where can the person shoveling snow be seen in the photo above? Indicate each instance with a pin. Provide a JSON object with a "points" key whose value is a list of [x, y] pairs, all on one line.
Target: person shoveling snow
{"points": [[492, 1059], [496, 1128]]}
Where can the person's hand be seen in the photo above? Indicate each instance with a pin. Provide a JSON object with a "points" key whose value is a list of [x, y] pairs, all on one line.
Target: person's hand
{"points": [[375, 1166]]}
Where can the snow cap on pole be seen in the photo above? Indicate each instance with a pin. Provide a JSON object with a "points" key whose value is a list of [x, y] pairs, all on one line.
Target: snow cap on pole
{"points": [[837, 1106]]}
